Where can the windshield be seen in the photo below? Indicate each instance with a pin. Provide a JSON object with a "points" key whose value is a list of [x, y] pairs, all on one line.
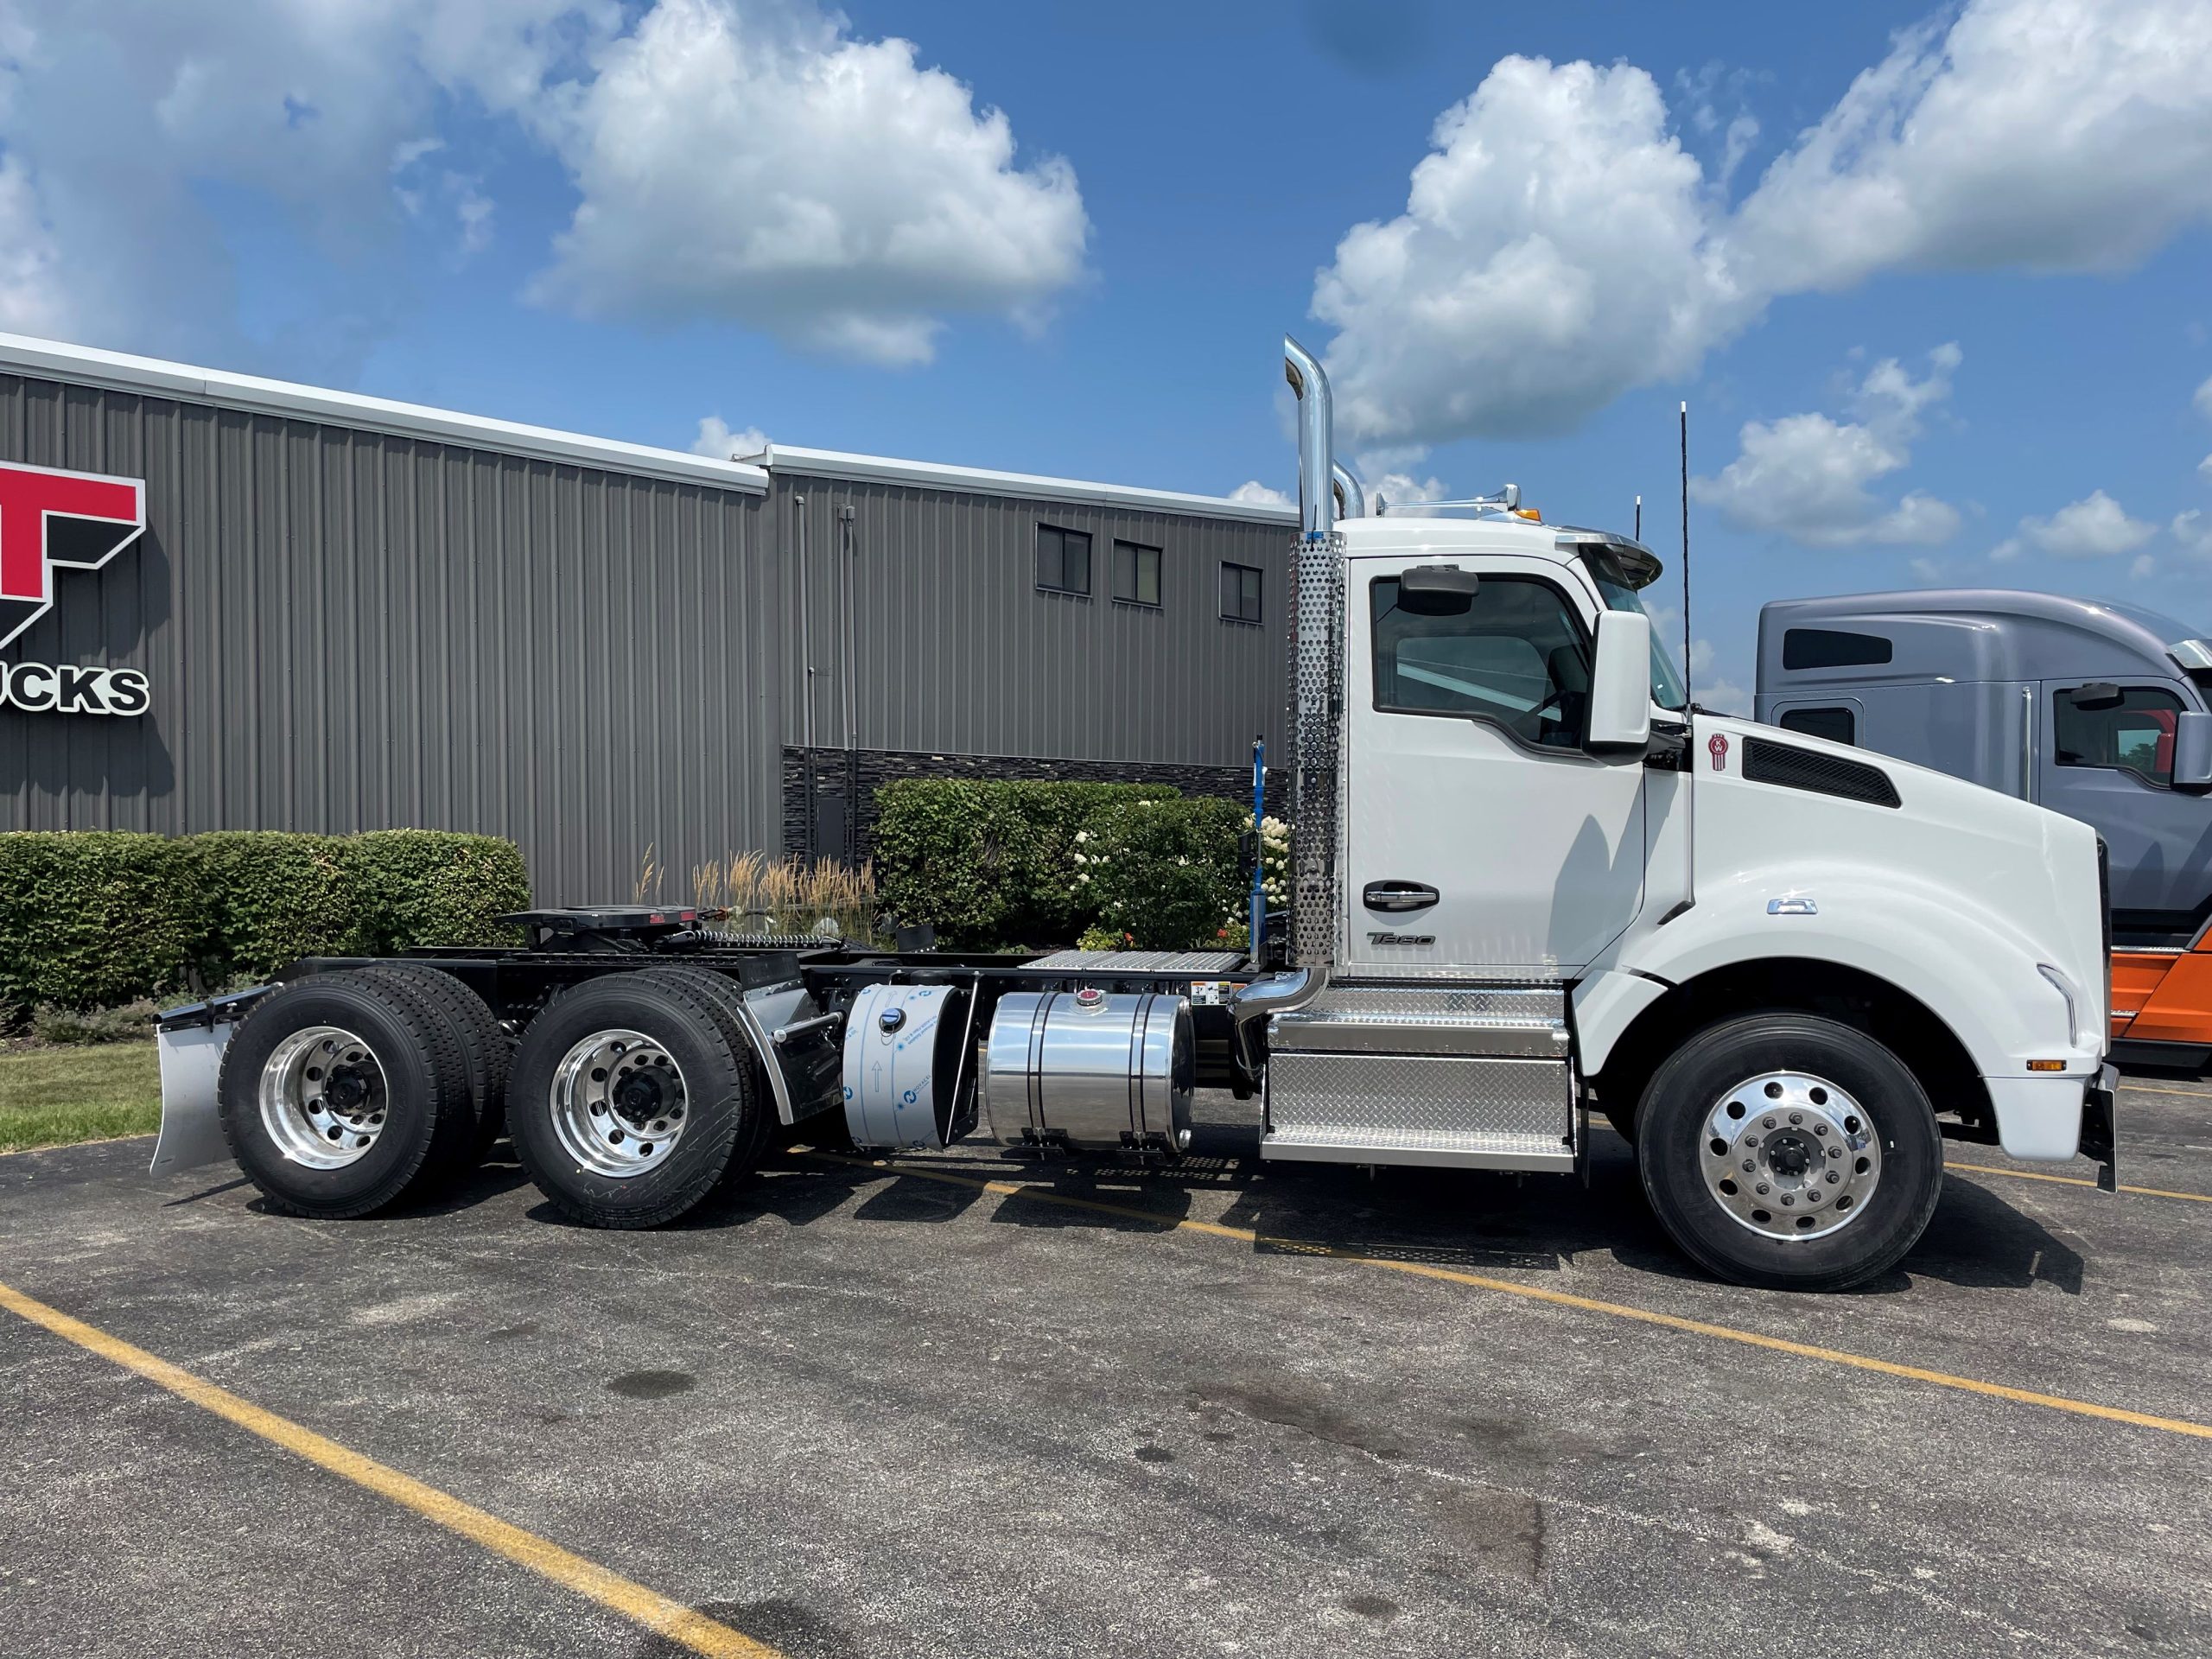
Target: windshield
{"points": [[1613, 587]]}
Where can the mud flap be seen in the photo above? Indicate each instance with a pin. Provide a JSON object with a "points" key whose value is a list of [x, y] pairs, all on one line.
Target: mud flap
{"points": [[2100, 1138], [192, 1127]]}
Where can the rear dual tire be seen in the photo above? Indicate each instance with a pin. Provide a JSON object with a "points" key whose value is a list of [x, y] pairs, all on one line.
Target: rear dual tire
{"points": [[344, 1093], [634, 1096]]}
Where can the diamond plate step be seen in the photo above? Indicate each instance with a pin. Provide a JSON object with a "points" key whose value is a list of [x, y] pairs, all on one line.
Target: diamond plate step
{"points": [[1516, 1022], [1474, 1112], [1142, 961]]}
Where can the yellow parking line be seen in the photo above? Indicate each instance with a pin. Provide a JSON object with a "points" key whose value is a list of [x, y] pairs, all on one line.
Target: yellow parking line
{"points": [[2153, 1089], [1558, 1298], [2076, 1180], [634, 1602]]}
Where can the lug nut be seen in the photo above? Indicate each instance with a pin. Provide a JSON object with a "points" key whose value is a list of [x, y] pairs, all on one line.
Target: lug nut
{"points": [[1750, 1164], [1762, 1189], [1797, 1117], [1833, 1178], [1769, 1124]]}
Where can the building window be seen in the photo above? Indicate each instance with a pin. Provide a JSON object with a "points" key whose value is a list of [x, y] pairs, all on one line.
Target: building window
{"points": [[1136, 574], [1240, 593], [1063, 560], [2130, 730], [1837, 725]]}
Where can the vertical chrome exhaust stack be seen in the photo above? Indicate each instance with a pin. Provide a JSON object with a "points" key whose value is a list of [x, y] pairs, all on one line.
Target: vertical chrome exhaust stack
{"points": [[1317, 440], [1316, 661]]}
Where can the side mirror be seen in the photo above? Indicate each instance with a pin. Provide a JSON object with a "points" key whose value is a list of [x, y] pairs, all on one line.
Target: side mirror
{"points": [[1620, 683], [2192, 750], [1437, 591]]}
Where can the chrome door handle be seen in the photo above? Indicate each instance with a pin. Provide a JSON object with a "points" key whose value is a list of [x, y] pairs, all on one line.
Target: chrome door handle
{"points": [[1395, 898]]}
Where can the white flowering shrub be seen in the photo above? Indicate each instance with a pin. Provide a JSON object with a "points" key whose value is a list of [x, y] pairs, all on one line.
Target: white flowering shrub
{"points": [[1164, 873]]}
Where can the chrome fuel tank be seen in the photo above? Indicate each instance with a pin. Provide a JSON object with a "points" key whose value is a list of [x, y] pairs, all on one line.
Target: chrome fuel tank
{"points": [[1091, 1072]]}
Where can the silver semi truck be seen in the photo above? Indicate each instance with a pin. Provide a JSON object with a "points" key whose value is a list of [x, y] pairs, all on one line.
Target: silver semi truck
{"points": [[1528, 881]]}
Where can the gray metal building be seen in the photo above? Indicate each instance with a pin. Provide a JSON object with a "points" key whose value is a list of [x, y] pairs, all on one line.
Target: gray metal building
{"points": [[350, 614]]}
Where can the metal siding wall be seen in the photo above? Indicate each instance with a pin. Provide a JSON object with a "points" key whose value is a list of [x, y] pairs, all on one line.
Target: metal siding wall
{"points": [[347, 631], [957, 652]]}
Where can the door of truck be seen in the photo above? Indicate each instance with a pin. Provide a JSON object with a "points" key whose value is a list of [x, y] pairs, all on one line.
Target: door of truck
{"points": [[2108, 759], [1480, 835]]}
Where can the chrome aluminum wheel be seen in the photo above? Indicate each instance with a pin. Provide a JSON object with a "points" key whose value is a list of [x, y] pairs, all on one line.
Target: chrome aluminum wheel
{"points": [[1790, 1155], [619, 1103], [323, 1097]]}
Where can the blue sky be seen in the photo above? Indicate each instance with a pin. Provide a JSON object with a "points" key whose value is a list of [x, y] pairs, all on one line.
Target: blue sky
{"points": [[1933, 281]]}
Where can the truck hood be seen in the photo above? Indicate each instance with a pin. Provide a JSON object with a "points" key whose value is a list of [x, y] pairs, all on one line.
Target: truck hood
{"points": [[1769, 802]]}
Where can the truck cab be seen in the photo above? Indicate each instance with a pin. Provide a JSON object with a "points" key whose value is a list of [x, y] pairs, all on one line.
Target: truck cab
{"points": [[2085, 707]]}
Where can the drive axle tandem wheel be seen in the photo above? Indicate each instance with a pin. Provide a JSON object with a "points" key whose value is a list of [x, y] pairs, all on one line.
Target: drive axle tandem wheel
{"points": [[341, 1093], [631, 1096]]}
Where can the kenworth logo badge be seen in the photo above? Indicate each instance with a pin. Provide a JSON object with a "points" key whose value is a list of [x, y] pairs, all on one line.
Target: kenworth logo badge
{"points": [[77, 521]]}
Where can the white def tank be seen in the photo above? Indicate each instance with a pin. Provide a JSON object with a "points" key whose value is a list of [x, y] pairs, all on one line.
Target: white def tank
{"points": [[906, 1075]]}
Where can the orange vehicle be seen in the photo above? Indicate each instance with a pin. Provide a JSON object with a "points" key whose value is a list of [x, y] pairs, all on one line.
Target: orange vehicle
{"points": [[2093, 708]]}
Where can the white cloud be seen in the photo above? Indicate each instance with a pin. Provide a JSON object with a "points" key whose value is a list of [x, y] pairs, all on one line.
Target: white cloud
{"points": [[117, 115], [2049, 134], [2204, 467], [1552, 251], [2006, 551], [1264, 495], [1806, 476], [753, 162], [739, 159], [1395, 487], [2204, 400], [34, 298], [2146, 566], [1558, 245], [716, 439], [2094, 527], [2194, 532], [1721, 694]]}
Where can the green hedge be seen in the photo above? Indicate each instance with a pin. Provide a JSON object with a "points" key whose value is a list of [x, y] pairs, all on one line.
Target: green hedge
{"points": [[991, 864], [88, 920], [91, 919]]}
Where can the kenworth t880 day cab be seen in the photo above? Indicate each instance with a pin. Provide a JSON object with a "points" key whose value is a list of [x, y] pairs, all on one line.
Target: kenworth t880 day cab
{"points": [[1527, 880]]}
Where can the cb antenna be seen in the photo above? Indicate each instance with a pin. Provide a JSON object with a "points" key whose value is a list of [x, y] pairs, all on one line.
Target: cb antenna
{"points": [[1687, 699], [1639, 517]]}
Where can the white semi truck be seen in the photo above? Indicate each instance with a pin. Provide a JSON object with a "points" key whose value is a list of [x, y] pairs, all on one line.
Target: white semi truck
{"points": [[1527, 880]]}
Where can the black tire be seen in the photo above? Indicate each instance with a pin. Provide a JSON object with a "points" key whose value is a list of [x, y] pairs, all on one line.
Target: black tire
{"points": [[1674, 1119], [484, 1045], [728, 997], [419, 1079], [718, 1101]]}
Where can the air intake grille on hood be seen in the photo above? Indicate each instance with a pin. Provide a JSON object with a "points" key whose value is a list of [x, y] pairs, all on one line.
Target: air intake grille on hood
{"points": [[1766, 762]]}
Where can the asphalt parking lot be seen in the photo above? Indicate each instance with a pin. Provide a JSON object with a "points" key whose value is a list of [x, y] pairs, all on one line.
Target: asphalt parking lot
{"points": [[846, 1410]]}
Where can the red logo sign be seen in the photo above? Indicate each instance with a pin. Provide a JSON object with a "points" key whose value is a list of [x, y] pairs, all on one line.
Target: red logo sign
{"points": [[79, 520], [1716, 747]]}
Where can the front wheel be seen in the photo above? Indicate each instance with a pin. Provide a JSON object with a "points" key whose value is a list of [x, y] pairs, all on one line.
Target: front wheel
{"points": [[1790, 1151]]}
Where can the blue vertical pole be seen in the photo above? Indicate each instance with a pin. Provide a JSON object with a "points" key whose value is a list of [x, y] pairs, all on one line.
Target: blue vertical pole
{"points": [[1257, 917]]}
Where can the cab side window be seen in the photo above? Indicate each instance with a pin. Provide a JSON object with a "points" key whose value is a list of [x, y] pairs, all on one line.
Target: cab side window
{"points": [[1516, 656], [2129, 728]]}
